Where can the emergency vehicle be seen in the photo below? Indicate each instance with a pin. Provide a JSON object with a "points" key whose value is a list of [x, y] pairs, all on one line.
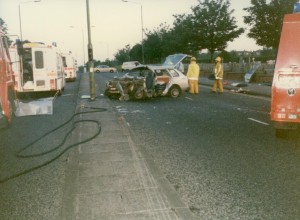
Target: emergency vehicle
{"points": [[6, 83], [70, 67], [38, 68], [285, 103]]}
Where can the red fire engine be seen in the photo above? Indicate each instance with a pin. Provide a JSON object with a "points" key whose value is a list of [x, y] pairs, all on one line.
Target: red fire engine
{"points": [[6, 83], [285, 106]]}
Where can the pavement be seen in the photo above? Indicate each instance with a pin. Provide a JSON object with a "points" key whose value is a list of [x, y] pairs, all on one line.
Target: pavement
{"points": [[111, 177], [256, 89]]}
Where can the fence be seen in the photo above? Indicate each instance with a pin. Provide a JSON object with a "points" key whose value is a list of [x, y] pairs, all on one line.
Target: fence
{"points": [[236, 71]]}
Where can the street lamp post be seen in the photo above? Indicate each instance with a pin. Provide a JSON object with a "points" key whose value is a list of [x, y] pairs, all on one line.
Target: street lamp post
{"points": [[21, 37], [142, 23], [90, 55]]}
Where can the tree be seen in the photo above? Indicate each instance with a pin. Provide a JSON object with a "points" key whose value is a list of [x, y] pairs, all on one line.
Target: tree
{"points": [[3, 25], [213, 25], [4, 29], [154, 43], [266, 20], [180, 35], [123, 54], [136, 53]]}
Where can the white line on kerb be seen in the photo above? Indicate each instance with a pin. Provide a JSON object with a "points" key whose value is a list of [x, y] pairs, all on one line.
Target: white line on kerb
{"points": [[252, 119], [189, 98]]}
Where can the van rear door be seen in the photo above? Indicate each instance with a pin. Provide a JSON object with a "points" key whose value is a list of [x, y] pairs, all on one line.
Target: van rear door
{"points": [[39, 69]]}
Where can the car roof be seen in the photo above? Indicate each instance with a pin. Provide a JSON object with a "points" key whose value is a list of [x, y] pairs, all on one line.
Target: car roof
{"points": [[151, 67]]}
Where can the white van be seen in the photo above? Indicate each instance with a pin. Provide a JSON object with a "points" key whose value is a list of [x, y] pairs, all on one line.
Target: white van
{"points": [[38, 69], [70, 67], [129, 65]]}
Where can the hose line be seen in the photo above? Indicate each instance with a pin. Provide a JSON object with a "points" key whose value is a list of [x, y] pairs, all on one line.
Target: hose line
{"points": [[21, 154]]}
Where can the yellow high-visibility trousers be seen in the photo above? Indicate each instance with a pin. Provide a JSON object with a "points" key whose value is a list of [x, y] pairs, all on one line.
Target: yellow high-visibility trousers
{"points": [[194, 87], [218, 84]]}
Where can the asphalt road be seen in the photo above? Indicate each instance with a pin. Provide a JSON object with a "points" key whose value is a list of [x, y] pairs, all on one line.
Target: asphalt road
{"points": [[38, 194], [219, 152]]}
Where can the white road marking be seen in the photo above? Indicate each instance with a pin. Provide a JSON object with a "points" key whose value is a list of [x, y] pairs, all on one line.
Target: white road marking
{"points": [[189, 98], [252, 119], [66, 94]]}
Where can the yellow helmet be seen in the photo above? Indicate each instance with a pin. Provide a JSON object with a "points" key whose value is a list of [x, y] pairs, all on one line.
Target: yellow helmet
{"points": [[193, 59], [218, 59]]}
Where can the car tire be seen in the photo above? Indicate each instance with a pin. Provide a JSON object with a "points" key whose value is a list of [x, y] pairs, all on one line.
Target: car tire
{"points": [[111, 95], [97, 71], [138, 94], [175, 91], [111, 71]]}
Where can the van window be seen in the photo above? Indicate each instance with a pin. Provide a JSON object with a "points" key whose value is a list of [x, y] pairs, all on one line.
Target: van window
{"points": [[289, 80], [64, 61], [39, 59]]}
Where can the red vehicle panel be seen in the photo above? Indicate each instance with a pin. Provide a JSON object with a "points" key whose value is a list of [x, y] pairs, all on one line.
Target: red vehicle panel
{"points": [[6, 82], [285, 105]]}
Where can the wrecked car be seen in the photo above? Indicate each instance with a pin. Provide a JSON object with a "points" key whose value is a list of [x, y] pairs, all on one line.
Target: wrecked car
{"points": [[147, 81]]}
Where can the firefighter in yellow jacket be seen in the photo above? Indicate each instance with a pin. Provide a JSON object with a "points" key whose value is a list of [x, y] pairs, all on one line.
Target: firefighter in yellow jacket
{"points": [[218, 71], [193, 76]]}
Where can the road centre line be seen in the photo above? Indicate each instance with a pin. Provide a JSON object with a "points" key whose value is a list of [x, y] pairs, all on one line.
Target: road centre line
{"points": [[252, 119]]}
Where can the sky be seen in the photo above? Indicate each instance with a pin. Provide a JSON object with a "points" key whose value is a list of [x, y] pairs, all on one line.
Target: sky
{"points": [[114, 23]]}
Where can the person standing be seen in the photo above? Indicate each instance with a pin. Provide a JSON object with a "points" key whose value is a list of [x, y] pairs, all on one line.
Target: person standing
{"points": [[193, 76], [218, 71]]}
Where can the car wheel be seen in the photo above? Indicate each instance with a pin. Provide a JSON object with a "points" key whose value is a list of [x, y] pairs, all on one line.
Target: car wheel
{"points": [[111, 95], [97, 71], [111, 71], [138, 94], [175, 91]]}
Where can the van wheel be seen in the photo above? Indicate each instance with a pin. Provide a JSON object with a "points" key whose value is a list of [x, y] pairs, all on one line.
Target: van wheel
{"points": [[281, 133], [175, 91]]}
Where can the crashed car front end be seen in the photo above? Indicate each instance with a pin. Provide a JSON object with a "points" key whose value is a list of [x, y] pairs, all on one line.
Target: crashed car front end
{"points": [[125, 88]]}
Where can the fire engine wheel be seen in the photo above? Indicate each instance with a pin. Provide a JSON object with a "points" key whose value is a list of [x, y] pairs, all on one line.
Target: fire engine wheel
{"points": [[175, 91]]}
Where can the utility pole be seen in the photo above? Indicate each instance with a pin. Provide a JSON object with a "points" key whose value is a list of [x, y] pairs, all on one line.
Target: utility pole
{"points": [[90, 54]]}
